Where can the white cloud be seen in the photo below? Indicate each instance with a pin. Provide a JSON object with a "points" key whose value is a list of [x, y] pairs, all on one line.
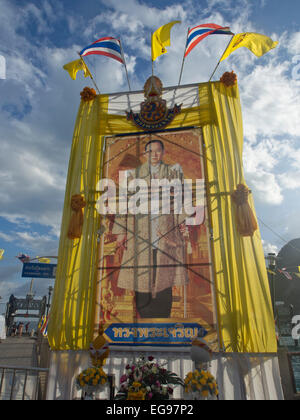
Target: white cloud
{"points": [[6, 287], [270, 248], [272, 167], [290, 180], [7, 238], [293, 45], [148, 16], [271, 102], [37, 244]]}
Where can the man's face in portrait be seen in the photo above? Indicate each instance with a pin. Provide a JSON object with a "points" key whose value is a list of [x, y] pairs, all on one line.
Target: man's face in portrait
{"points": [[155, 153]]}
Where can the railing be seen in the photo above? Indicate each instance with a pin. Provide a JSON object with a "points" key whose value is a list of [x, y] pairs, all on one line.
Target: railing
{"points": [[23, 383], [294, 365]]}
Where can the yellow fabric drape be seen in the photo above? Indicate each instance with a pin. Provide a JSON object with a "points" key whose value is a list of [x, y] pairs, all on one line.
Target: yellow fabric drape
{"points": [[243, 298], [244, 305], [72, 311]]}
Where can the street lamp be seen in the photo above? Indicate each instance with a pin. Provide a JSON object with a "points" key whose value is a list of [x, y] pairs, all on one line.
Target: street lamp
{"points": [[50, 290], [272, 266]]}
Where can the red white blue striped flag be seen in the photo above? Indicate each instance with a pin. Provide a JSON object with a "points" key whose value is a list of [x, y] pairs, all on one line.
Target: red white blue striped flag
{"points": [[23, 258], [108, 46], [198, 33]]}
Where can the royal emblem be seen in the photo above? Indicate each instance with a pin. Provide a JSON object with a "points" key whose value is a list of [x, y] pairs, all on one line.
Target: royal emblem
{"points": [[154, 113]]}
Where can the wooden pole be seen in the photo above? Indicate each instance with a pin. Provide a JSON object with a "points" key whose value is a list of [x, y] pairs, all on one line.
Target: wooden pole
{"points": [[183, 59], [91, 76], [123, 56], [152, 54], [220, 59]]}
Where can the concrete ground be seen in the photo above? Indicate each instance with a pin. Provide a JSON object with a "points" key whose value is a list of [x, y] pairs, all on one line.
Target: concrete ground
{"points": [[18, 352]]}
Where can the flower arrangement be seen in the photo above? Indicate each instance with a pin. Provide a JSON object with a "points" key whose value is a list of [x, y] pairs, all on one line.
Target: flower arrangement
{"points": [[229, 79], [91, 377], [147, 380], [94, 378], [88, 94], [200, 384]]}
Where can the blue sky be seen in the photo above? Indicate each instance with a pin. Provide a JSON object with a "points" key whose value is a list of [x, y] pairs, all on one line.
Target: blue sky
{"points": [[39, 102]]}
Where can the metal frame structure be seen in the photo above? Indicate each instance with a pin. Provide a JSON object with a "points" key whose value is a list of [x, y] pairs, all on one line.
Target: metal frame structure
{"points": [[12, 373]]}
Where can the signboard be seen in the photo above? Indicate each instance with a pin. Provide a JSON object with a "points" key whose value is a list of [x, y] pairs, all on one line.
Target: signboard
{"points": [[155, 279], [26, 304], [153, 334], [39, 270]]}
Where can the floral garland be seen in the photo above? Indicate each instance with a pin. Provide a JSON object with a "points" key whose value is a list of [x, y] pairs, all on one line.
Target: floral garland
{"points": [[229, 79], [88, 94], [94, 376], [201, 382], [147, 380]]}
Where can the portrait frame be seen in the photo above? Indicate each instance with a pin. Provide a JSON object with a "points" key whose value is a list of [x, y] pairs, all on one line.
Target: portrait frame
{"points": [[113, 304]]}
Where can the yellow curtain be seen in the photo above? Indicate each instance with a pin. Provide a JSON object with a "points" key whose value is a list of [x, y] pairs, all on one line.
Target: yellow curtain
{"points": [[244, 305], [72, 312], [243, 299]]}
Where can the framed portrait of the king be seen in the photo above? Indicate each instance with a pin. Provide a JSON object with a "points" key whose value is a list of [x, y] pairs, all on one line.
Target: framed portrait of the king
{"points": [[155, 265]]}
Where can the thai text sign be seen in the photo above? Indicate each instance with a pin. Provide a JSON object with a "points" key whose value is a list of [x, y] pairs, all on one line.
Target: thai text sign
{"points": [[154, 334], [39, 270]]}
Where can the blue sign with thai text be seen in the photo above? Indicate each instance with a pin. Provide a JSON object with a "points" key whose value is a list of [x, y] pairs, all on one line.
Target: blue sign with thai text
{"points": [[169, 334], [39, 270]]}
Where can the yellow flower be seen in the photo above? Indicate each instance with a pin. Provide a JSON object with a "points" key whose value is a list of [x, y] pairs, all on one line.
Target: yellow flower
{"points": [[211, 385], [103, 381], [136, 395], [205, 394], [137, 384], [95, 382], [203, 381]]}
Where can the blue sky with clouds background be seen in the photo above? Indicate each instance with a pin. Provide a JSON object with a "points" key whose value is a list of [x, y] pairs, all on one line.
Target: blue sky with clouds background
{"points": [[39, 102]]}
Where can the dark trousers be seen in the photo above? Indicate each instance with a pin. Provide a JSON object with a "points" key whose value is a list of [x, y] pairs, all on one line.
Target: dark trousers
{"points": [[158, 307]]}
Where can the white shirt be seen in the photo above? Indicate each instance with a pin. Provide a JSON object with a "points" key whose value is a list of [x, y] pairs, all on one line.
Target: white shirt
{"points": [[154, 218], [154, 172]]}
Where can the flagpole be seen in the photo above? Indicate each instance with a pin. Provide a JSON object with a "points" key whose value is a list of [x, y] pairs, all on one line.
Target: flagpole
{"points": [[219, 62], [183, 59], [91, 76], [152, 54], [123, 56]]}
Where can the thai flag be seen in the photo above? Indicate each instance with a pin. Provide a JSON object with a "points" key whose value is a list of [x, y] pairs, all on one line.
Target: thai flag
{"points": [[286, 274], [44, 328], [200, 32], [23, 258], [110, 47]]}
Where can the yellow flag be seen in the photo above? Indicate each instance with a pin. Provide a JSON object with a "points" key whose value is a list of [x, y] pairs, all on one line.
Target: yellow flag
{"points": [[74, 66], [44, 260], [1, 254], [161, 39], [256, 43]]}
